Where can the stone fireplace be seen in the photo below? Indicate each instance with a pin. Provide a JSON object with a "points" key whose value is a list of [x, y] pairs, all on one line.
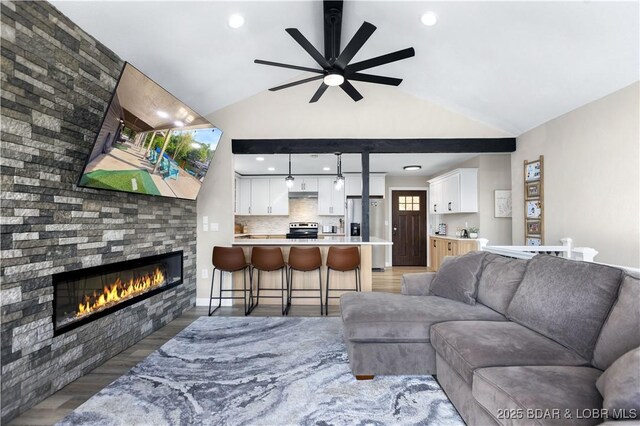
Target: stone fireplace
{"points": [[84, 295]]}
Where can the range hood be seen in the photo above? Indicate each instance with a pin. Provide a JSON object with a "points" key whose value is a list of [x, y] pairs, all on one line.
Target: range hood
{"points": [[303, 194]]}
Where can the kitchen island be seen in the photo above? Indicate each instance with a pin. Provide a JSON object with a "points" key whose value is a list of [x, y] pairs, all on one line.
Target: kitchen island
{"points": [[310, 279]]}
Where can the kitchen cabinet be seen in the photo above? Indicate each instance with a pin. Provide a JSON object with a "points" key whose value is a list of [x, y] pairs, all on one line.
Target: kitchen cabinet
{"points": [[353, 185], [269, 197], [441, 247], [454, 192], [304, 184], [331, 202], [242, 196]]}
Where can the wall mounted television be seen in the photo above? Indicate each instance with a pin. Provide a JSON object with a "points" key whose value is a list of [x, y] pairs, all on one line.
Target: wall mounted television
{"points": [[150, 142]]}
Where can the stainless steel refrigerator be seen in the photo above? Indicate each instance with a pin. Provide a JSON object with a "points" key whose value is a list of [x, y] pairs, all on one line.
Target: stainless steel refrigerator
{"points": [[376, 225]]}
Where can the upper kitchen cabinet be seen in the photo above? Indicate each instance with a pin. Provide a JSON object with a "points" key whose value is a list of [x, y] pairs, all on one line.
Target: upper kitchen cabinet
{"points": [[331, 202], [353, 185], [243, 196], [454, 192], [305, 184], [262, 196]]}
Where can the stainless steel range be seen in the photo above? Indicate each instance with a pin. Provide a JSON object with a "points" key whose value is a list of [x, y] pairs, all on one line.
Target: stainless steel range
{"points": [[299, 230]]}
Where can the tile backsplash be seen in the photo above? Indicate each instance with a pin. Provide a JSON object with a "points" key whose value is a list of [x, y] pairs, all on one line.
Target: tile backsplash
{"points": [[300, 210]]}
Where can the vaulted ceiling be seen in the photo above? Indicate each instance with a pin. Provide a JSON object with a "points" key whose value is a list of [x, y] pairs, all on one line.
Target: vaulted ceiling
{"points": [[513, 65]]}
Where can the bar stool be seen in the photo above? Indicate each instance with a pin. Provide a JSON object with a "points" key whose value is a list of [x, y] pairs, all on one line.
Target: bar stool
{"points": [[343, 259], [269, 259], [230, 259], [305, 260]]}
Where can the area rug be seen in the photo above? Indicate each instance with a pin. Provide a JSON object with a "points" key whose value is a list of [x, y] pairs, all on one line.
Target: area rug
{"points": [[261, 371]]}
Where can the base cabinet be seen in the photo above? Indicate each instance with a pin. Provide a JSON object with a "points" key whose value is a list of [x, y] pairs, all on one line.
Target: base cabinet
{"points": [[441, 247]]}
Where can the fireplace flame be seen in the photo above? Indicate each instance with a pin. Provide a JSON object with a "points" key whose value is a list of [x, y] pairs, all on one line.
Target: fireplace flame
{"points": [[120, 290]]}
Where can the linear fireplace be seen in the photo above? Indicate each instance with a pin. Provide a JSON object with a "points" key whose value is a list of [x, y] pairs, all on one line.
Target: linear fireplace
{"points": [[85, 295]]}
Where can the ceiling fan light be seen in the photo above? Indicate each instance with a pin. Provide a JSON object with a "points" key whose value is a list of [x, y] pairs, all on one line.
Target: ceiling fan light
{"points": [[333, 79]]}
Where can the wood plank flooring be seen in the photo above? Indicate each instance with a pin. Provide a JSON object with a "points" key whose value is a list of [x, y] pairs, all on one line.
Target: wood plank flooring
{"points": [[58, 405]]}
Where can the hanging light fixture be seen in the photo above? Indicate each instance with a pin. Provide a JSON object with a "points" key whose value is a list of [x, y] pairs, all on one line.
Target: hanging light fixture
{"points": [[339, 182], [289, 179]]}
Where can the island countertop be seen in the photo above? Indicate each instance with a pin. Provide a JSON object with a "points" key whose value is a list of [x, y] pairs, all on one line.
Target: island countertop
{"points": [[326, 241]]}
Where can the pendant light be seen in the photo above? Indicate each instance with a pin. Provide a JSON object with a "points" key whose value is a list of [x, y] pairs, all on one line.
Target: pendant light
{"points": [[339, 182], [289, 179]]}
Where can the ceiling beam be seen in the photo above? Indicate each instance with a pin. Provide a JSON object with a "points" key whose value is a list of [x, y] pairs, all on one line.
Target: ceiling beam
{"points": [[374, 146]]}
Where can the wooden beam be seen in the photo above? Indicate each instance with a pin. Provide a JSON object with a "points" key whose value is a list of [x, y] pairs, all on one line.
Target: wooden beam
{"points": [[364, 226], [374, 146]]}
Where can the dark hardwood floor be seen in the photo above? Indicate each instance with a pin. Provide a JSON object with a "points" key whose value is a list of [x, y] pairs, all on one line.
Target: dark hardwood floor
{"points": [[58, 405]]}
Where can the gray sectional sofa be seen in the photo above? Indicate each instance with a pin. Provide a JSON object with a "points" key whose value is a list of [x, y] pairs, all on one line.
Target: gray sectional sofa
{"points": [[510, 341]]}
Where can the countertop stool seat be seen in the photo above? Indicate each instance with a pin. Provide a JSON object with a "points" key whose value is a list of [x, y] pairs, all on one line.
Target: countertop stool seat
{"points": [[270, 259], [305, 260], [230, 259], [342, 259]]}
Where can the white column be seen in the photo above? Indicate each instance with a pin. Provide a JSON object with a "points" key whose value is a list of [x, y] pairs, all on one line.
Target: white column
{"points": [[164, 146]]}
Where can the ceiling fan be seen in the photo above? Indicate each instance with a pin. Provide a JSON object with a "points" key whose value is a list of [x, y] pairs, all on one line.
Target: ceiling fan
{"points": [[336, 67]]}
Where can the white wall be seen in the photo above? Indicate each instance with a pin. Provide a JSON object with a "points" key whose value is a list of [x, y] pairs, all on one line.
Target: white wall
{"points": [[385, 112], [591, 177]]}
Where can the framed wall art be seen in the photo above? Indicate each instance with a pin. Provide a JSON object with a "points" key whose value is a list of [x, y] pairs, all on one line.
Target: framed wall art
{"points": [[534, 202], [502, 203]]}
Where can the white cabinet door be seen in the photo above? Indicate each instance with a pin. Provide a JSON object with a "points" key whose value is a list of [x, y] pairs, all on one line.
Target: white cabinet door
{"points": [[376, 185], [325, 192], [338, 202], [435, 195], [310, 184], [451, 194], [243, 194], [278, 197], [353, 185], [260, 197], [297, 185]]}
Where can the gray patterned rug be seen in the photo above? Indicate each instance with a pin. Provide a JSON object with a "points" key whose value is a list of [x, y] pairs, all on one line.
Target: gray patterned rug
{"points": [[261, 371]]}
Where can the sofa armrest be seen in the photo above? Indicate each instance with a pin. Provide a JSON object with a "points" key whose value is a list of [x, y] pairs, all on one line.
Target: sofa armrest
{"points": [[418, 284]]}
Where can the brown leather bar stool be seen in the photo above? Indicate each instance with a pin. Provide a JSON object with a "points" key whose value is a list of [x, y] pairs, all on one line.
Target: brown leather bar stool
{"points": [[305, 260], [269, 259], [230, 259], [343, 259]]}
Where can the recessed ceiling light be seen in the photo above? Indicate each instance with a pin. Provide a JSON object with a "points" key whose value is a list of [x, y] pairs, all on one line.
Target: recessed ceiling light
{"points": [[236, 20], [259, 158], [162, 114], [429, 19], [412, 167], [178, 123], [326, 169], [271, 169]]}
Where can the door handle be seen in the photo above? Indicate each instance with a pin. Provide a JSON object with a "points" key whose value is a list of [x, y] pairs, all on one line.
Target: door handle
{"points": [[434, 243], [435, 208], [449, 206], [449, 246]]}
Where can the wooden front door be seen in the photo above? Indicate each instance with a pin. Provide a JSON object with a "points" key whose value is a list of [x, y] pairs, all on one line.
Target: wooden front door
{"points": [[409, 226]]}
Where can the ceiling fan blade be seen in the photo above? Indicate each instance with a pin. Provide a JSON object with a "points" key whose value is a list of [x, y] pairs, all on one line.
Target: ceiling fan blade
{"points": [[375, 79], [295, 83], [293, 67], [381, 60], [323, 87], [351, 91], [306, 45], [355, 44]]}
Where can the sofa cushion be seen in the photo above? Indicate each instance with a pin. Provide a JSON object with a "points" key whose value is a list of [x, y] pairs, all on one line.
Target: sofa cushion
{"points": [[383, 317], [620, 384], [468, 345], [457, 278], [499, 281], [566, 300], [529, 388], [621, 330]]}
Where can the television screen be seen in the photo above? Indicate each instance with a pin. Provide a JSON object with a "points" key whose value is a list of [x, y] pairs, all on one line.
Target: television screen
{"points": [[150, 142]]}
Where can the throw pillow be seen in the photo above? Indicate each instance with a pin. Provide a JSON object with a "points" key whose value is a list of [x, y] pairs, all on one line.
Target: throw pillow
{"points": [[457, 278], [619, 385]]}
